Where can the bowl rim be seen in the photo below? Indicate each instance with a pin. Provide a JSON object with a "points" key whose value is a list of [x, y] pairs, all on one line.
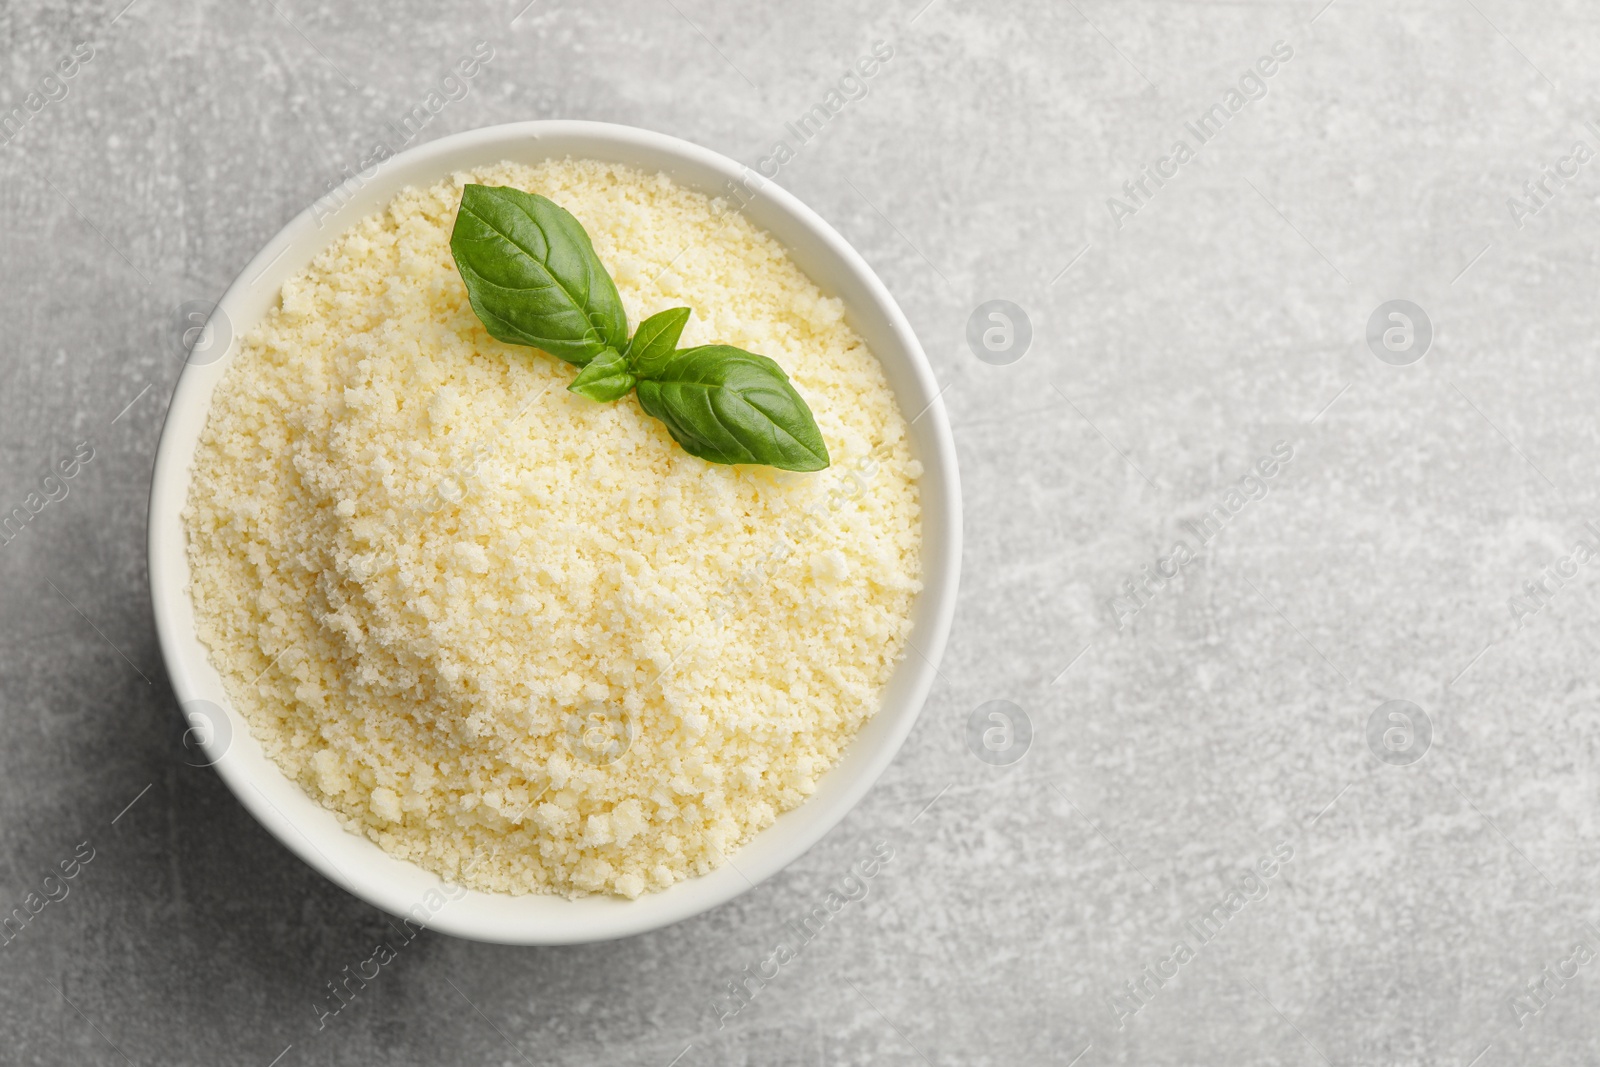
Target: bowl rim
{"points": [[466, 913]]}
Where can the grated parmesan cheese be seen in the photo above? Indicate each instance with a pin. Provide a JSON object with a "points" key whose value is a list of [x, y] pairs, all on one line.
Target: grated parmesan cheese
{"points": [[519, 637]]}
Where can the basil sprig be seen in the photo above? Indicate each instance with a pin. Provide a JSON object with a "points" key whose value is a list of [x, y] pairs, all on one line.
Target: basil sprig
{"points": [[534, 279]]}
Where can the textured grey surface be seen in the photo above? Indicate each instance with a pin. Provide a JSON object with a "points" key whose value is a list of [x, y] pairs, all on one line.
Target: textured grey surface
{"points": [[1174, 747]]}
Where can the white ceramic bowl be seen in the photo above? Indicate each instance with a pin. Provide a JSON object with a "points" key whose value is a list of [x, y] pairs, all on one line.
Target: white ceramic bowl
{"points": [[312, 831]]}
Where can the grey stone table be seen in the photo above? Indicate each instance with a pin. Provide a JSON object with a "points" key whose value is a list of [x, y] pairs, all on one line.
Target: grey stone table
{"points": [[1305, 427]]}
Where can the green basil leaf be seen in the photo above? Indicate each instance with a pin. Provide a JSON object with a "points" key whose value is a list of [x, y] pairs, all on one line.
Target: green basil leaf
{"points": [[727, 405], [656, 340], [533, 277], [606, 378]]}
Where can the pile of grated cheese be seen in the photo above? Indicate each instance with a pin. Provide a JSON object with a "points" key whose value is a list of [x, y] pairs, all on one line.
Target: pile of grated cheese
{"points": [[519, 637]]}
